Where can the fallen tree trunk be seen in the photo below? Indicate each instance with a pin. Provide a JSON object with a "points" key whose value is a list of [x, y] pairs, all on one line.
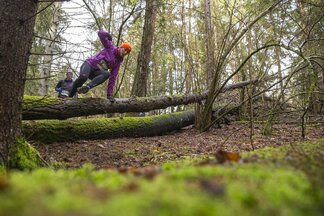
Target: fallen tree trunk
{"points": [[36, 108], [48, 131]]}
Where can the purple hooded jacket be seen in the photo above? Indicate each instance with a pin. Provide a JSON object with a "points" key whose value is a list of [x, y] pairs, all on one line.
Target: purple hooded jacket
{"points": [[111, 56]]}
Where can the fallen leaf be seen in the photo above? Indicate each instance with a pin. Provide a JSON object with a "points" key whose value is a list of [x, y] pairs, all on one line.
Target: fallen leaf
{"points": [[223, 156]]}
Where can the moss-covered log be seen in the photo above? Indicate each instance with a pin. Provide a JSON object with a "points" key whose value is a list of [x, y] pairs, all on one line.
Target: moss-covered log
{"points": [[36, 108], [48, 131]]}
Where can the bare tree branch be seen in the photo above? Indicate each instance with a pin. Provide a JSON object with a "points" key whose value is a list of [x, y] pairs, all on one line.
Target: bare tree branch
{"points": [[39, 78], [44, 38], [93, 14], [123, 23]]}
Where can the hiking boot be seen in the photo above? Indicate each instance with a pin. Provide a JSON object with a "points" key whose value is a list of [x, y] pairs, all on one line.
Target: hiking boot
{"points": [[83, 89], [111, 99]]}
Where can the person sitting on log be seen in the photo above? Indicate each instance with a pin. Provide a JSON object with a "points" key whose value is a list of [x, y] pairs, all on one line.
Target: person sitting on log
{"points": [[96, 67], [64, 87]]}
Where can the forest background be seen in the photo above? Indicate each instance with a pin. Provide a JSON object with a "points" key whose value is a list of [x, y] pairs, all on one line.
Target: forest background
{"points": [[179, 47]]}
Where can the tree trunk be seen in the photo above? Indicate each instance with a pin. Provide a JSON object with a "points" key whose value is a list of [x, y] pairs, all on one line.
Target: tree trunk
{"points": [[51, 33], [17, 20], [186, 38], [36, 108], [201, 117], [144, 57], [48, 131], [314, 105], [210, 43]]}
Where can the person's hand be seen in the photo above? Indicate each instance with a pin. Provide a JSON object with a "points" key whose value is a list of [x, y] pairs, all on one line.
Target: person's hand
{"points": [[59, 89], [111, 99]]}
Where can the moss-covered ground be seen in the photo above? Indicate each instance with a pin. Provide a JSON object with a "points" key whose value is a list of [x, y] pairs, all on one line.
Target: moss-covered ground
{"points": [[23, 156], [286, 180]]}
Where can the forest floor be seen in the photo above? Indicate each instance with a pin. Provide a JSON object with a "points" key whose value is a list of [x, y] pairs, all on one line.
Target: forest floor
{"points": [[188, 142]]}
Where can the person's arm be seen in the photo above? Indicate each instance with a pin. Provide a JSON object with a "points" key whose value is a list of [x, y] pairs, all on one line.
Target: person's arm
{"points": [[112, 81], [105, 39], [58, 87]]}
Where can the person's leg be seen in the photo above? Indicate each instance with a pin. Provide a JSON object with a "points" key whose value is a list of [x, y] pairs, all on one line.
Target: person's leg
{"points": [[97, 77], [85, 71]]}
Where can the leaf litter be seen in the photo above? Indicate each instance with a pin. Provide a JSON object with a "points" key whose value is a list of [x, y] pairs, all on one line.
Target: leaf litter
{"points": [[225, 144]]}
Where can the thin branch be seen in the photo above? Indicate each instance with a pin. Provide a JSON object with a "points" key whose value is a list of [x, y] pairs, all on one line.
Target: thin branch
{"points": [[49, 39], [229, 49], [39, 78], [49, 54], [38, 12], [121, 80], [314, 4], [317, 63], [244, 30], [93, 14], [255, 95], [223, 45], [123, 23], [238, 69], [310, 30]]}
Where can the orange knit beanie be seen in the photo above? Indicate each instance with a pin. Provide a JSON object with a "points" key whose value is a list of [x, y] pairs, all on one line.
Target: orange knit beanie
{"points": [[126, 46]]}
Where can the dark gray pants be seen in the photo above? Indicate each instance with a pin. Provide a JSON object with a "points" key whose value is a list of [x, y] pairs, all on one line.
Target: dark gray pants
{"points": [[87, 72]]}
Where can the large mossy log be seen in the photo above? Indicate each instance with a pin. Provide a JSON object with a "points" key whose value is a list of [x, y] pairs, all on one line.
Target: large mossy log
{"points": [[36, 108], [48, 131]]}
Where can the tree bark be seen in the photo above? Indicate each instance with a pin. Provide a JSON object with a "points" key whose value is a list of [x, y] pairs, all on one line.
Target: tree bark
{"points": [[36, 108], [17, 20], [144, 57]]}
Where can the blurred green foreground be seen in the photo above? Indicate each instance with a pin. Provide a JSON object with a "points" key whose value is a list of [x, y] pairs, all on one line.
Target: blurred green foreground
{"points": [[271, 181]]}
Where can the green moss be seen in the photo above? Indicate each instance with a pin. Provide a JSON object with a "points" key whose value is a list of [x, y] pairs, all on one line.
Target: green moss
{"points": [[29, 101], [48, 131], [284, 153], [178, 95], [55, 130], [254, 188], [40, 99], [23, 156]]}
